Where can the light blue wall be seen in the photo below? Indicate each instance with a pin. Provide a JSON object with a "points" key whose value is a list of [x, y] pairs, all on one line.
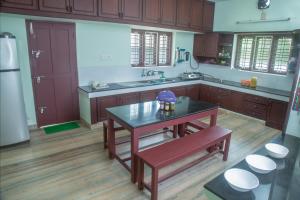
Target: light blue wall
{"points": [[227, 13]]}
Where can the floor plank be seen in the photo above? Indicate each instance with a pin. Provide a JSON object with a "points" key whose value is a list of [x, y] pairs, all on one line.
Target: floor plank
{"points": [[73, 165]]}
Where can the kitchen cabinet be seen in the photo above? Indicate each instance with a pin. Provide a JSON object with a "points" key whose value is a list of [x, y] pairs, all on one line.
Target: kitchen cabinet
{"points": [[86, 7], [131, 98], [148, 95], [193, 92], [276, 114], [168, 12], [103, 103], [206, 45], [255, 106], [208, 15], [204, 93], [61, 6], [94, 110], [196, 14], [121, 9], [179, 91], [183, 13], [109, 8], [24, 4], [151, 11]]}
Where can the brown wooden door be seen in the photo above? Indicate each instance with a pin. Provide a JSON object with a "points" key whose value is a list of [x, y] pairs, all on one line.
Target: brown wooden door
{"points": [[168, 12], [54, 71], [109, 8], [151, 11], [193, 92], [86, 7], [132, 98], [148, 96], [183, 13], [276, 114], [55, 6], [198, 45], [208, 15], [24, 4], [204, 93], [132, 10], [196, 14], [179, 91], [211, 44]]}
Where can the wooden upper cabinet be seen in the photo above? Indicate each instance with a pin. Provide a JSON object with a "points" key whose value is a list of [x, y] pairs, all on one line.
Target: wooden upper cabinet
{"points": [[198, 45], [183, 13], [109, 8], [132, 10], [168, 12], [24, 4], [151, 11], [86, 7], [54, 6], [208, 15], [197, 14], [211, 41]]}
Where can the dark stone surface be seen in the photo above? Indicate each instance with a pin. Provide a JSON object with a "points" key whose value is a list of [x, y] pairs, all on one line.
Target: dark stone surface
{"points": [[141, 114], [282, 183], [116, 86]]}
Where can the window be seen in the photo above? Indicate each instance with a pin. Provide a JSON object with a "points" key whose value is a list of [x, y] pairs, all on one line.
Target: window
{"points": [[150, 48], [264, 53]]}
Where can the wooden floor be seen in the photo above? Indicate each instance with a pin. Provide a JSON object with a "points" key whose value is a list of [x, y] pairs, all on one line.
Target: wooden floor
{"points": [[73, 165]]}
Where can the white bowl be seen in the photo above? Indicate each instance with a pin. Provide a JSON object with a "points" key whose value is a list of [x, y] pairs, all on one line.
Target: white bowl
{"points": [[241, 180], [260, 164], [276, 150]]}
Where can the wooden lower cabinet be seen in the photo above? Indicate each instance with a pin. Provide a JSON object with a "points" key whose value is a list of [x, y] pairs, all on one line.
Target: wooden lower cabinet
{"points": [[272, 111]]}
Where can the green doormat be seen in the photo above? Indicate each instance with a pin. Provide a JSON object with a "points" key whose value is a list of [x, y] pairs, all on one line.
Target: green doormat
{"points": [[61, 127]]}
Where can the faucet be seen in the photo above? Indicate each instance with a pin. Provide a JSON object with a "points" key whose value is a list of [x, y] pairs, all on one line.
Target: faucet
{"points": [[153, 72]]}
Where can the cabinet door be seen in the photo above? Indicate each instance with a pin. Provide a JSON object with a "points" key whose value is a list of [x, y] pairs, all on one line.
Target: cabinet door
{"points": [[148, 96], [87, 7], [198, 45], [179, 91], [151, 11], [183, 13], [276, 114], [24, 4], [54, 6], [103, 103], [196, 14], [109, 8], [193, 92], [236, 102], [211, 45], [130, 98], [168, 12], [208, 15], [204, 93], [132, 10]]}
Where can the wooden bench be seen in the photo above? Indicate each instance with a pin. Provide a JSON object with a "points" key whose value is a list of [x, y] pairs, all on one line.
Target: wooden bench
{"points": [[175, 150], [117, 127]]}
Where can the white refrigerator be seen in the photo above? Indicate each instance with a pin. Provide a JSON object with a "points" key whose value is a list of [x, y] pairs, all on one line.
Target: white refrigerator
{"points": [[13, 124]]}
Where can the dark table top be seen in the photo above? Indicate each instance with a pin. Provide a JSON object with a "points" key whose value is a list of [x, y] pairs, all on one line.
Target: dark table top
{"points": [[283, 183], [142, 114]]}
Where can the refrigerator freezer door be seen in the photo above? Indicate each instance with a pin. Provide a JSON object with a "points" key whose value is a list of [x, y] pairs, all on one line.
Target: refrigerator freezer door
{"points": [[8, 54]]}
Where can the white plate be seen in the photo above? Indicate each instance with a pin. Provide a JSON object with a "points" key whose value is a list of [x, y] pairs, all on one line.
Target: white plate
{"points": [[276, 150], [260, 164], [241, 180]]}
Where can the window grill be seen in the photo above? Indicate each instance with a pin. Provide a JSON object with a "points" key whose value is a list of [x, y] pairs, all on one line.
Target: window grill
{"points": [[264, 52], [282, 54], [150, 48]]}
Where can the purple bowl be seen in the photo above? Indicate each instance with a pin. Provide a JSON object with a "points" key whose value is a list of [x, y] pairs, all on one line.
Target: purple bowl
{"points": [[167, 96]]}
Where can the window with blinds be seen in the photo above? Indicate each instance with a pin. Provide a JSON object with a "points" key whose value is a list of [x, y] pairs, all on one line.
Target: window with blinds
{"points": [[264, 53], [150, 48]]}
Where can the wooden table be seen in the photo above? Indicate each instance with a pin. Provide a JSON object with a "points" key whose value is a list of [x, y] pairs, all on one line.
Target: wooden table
{"points": [[142, 118]]}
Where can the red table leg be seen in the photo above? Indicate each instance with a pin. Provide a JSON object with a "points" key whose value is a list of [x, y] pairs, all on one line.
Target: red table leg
{"points": [[213, 119], [134, 150], [111, 139], [181, 130]]}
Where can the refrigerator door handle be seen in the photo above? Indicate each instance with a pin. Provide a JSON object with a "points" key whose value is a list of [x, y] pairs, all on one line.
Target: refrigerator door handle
{"points": [[38, 79], [37, 53]]}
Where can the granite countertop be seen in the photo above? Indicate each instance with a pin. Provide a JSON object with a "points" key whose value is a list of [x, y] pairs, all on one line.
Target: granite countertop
{"points": [[116, 86], [282, 183]]}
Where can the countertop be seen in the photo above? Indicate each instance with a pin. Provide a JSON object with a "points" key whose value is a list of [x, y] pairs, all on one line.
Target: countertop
{"points": [[282, 183], [115, 88]]}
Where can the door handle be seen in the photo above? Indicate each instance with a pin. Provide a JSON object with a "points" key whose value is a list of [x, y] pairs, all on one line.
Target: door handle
{"points": [[37, 53], [42, 109], [38, 79]]}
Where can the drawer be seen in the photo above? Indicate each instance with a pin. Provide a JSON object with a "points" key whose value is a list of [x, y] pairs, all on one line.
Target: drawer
{"points": [[255, 110], [256, 99]]}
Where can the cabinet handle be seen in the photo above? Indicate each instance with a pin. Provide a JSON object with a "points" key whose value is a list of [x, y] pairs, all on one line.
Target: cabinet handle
{"points": [[71, 9], [67, 8]]}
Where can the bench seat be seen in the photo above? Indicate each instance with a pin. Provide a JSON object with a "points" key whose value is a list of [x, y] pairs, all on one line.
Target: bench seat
{"points": [[175, 150]]}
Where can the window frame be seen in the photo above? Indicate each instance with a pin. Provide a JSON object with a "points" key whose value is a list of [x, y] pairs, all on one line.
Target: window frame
{"points": [[141, 63], [272, 57]]}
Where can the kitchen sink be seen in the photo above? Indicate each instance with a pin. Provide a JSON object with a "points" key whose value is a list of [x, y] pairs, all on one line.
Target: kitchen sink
{"points": [[147, 82]]}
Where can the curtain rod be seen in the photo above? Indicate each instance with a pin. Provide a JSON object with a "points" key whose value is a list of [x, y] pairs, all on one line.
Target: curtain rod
{"points": [[263, 21]]}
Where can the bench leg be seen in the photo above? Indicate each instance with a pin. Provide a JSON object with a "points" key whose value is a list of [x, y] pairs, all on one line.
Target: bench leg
{"points": [[154, 184], [104, 136], [140, 174], [226, 150], [175, 131]]}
